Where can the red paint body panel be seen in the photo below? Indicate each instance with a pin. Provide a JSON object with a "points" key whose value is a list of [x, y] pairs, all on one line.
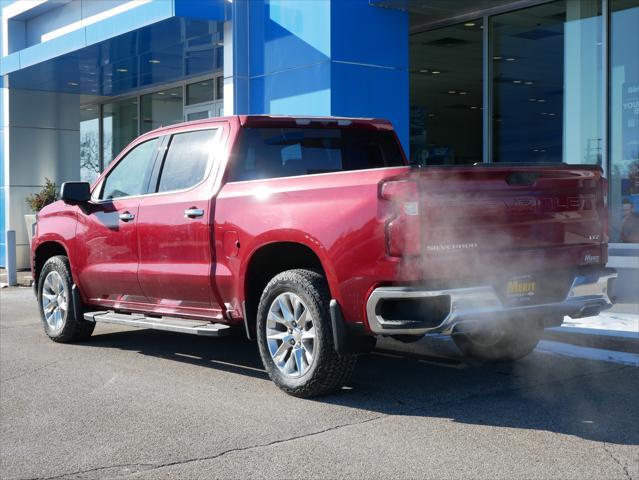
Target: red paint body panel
{"points": [[472, 220]]}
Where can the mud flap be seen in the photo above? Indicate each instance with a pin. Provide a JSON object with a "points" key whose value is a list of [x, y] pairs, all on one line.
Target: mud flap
{"points": [[347, 343]]}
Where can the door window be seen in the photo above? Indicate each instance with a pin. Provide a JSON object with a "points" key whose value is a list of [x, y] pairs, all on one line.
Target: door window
{"points": [[187, 160], [130, 175]]}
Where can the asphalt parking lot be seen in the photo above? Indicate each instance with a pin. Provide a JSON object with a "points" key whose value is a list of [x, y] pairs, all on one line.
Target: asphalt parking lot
{"points": [[146, 404]]}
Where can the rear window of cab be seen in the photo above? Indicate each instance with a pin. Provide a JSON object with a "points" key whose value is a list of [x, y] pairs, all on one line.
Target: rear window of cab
{"points": [[284, 152]]}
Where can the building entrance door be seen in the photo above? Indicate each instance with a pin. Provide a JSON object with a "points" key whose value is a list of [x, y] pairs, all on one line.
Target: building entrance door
{"points": [[203, 110]]}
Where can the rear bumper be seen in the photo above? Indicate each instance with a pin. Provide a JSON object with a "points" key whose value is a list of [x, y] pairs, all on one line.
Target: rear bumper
{"points": [[588, 295]]}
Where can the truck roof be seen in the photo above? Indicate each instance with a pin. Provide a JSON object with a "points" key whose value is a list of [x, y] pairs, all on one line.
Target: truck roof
{"points": [[286, 121]]}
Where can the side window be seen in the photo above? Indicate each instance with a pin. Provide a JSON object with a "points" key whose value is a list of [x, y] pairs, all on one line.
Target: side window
{"points": [[187, 160], [128, 178]]}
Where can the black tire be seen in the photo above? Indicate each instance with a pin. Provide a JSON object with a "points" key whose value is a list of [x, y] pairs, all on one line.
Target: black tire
{"points": [[70, 329], [506, 341], [328, 371]]}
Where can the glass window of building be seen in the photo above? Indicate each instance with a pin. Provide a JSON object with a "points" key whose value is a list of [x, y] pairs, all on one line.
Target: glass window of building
{"points": [[89, 143], [200, 92], [446, 95], [161, 108], [119, 127], [624, 121], [219, 88], [547, 83]]}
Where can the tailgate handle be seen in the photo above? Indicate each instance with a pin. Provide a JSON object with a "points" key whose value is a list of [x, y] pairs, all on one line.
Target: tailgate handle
{"points": [[522, 178]]}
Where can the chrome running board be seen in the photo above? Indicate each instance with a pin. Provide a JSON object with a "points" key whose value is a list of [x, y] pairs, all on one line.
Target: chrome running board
{"points": [[170, 324]]}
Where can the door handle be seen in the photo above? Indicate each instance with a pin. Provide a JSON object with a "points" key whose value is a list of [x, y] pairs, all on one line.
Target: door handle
{"points": [[126, 216], [193, 212]]}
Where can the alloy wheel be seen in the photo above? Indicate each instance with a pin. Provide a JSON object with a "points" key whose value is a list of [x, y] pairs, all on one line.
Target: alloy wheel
{"points": [[290, 335], [54, 301]]}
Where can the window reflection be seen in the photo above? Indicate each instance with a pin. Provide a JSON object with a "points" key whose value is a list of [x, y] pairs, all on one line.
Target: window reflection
{"points": [[89, 143], [446, 95], [547, 83], [624, 121], [120, 127], [161, 108]]}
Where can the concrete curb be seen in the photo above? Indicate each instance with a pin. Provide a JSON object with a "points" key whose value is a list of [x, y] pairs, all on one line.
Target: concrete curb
{"points": [[595, 338]]}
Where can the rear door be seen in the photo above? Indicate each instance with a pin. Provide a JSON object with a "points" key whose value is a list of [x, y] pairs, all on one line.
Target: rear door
{"points": [[107, 230], [175, 238]]}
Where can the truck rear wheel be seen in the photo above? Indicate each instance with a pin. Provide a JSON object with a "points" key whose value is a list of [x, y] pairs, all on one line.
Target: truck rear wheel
{"points": [[500, 342], [56, 303], [295, 337]]}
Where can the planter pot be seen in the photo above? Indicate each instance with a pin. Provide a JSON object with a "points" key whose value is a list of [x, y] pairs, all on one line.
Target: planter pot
{"points": [[30, 221]]}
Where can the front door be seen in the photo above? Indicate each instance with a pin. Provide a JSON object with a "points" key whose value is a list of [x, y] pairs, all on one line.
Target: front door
{"points": [[176, 255], [107, 235]]}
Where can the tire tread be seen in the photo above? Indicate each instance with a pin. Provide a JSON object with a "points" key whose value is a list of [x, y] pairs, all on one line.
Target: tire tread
{"points": [[75, 329], [332, 370]]}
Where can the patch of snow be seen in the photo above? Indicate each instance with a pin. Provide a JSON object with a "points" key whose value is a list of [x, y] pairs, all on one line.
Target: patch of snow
{"points": [[619, 322]]}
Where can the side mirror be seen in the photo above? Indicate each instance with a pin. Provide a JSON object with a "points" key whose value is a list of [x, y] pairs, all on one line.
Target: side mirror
{"points": [[75, 192]]}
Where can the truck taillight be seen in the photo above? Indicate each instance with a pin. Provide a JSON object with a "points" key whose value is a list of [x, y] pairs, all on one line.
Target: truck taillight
{"points": [[403, 236]]}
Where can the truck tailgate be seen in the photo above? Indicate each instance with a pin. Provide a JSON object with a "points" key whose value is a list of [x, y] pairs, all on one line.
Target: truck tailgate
{"points": [[506, 220]]}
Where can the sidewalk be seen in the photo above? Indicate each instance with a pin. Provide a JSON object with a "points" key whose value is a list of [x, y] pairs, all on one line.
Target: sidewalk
{"points": [[617, 330], [24, 278]]}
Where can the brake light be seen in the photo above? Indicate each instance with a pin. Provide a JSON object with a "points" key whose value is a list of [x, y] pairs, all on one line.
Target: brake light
{"points": [[403, 236]]}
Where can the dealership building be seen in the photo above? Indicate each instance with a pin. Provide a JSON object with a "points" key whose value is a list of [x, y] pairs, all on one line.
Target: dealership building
{"points": [[463, 82]]}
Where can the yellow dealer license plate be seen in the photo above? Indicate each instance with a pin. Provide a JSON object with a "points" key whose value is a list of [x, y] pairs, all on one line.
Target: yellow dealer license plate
{"points": [[521, 287]]}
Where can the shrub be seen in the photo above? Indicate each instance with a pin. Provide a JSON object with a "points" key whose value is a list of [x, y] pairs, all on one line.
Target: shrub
{"points": [[48, 194]]}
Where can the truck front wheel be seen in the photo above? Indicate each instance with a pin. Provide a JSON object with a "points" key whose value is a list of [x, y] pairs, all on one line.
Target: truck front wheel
{"points": [[295, 335], [498, 342], [56, 303]]}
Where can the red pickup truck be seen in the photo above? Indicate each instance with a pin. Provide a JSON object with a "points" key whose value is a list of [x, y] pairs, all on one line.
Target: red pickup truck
{"points": [[315, 236]]}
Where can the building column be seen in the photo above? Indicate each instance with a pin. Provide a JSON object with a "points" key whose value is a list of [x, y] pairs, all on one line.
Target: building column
{"points": [[335, 57], [4, 171], [43, 134]]}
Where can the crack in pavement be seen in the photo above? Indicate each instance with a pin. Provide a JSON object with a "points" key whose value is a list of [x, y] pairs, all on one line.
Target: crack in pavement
{"points": [[406, 410], [144, 467], [81, 473], [623, 466], [208, 457]]}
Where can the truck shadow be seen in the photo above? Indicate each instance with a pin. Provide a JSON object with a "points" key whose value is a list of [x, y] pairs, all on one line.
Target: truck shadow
{"points": [[591, 400]]}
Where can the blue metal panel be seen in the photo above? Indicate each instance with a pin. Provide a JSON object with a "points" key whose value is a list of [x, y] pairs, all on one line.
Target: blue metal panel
{"points": [[129, 21], [370, 63], [286, 34], [363, 91], [110, 28], [363, 33], [329, 57], [300, 91], [218, 10], [240, 38], [51, 49], [10, 63]]}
